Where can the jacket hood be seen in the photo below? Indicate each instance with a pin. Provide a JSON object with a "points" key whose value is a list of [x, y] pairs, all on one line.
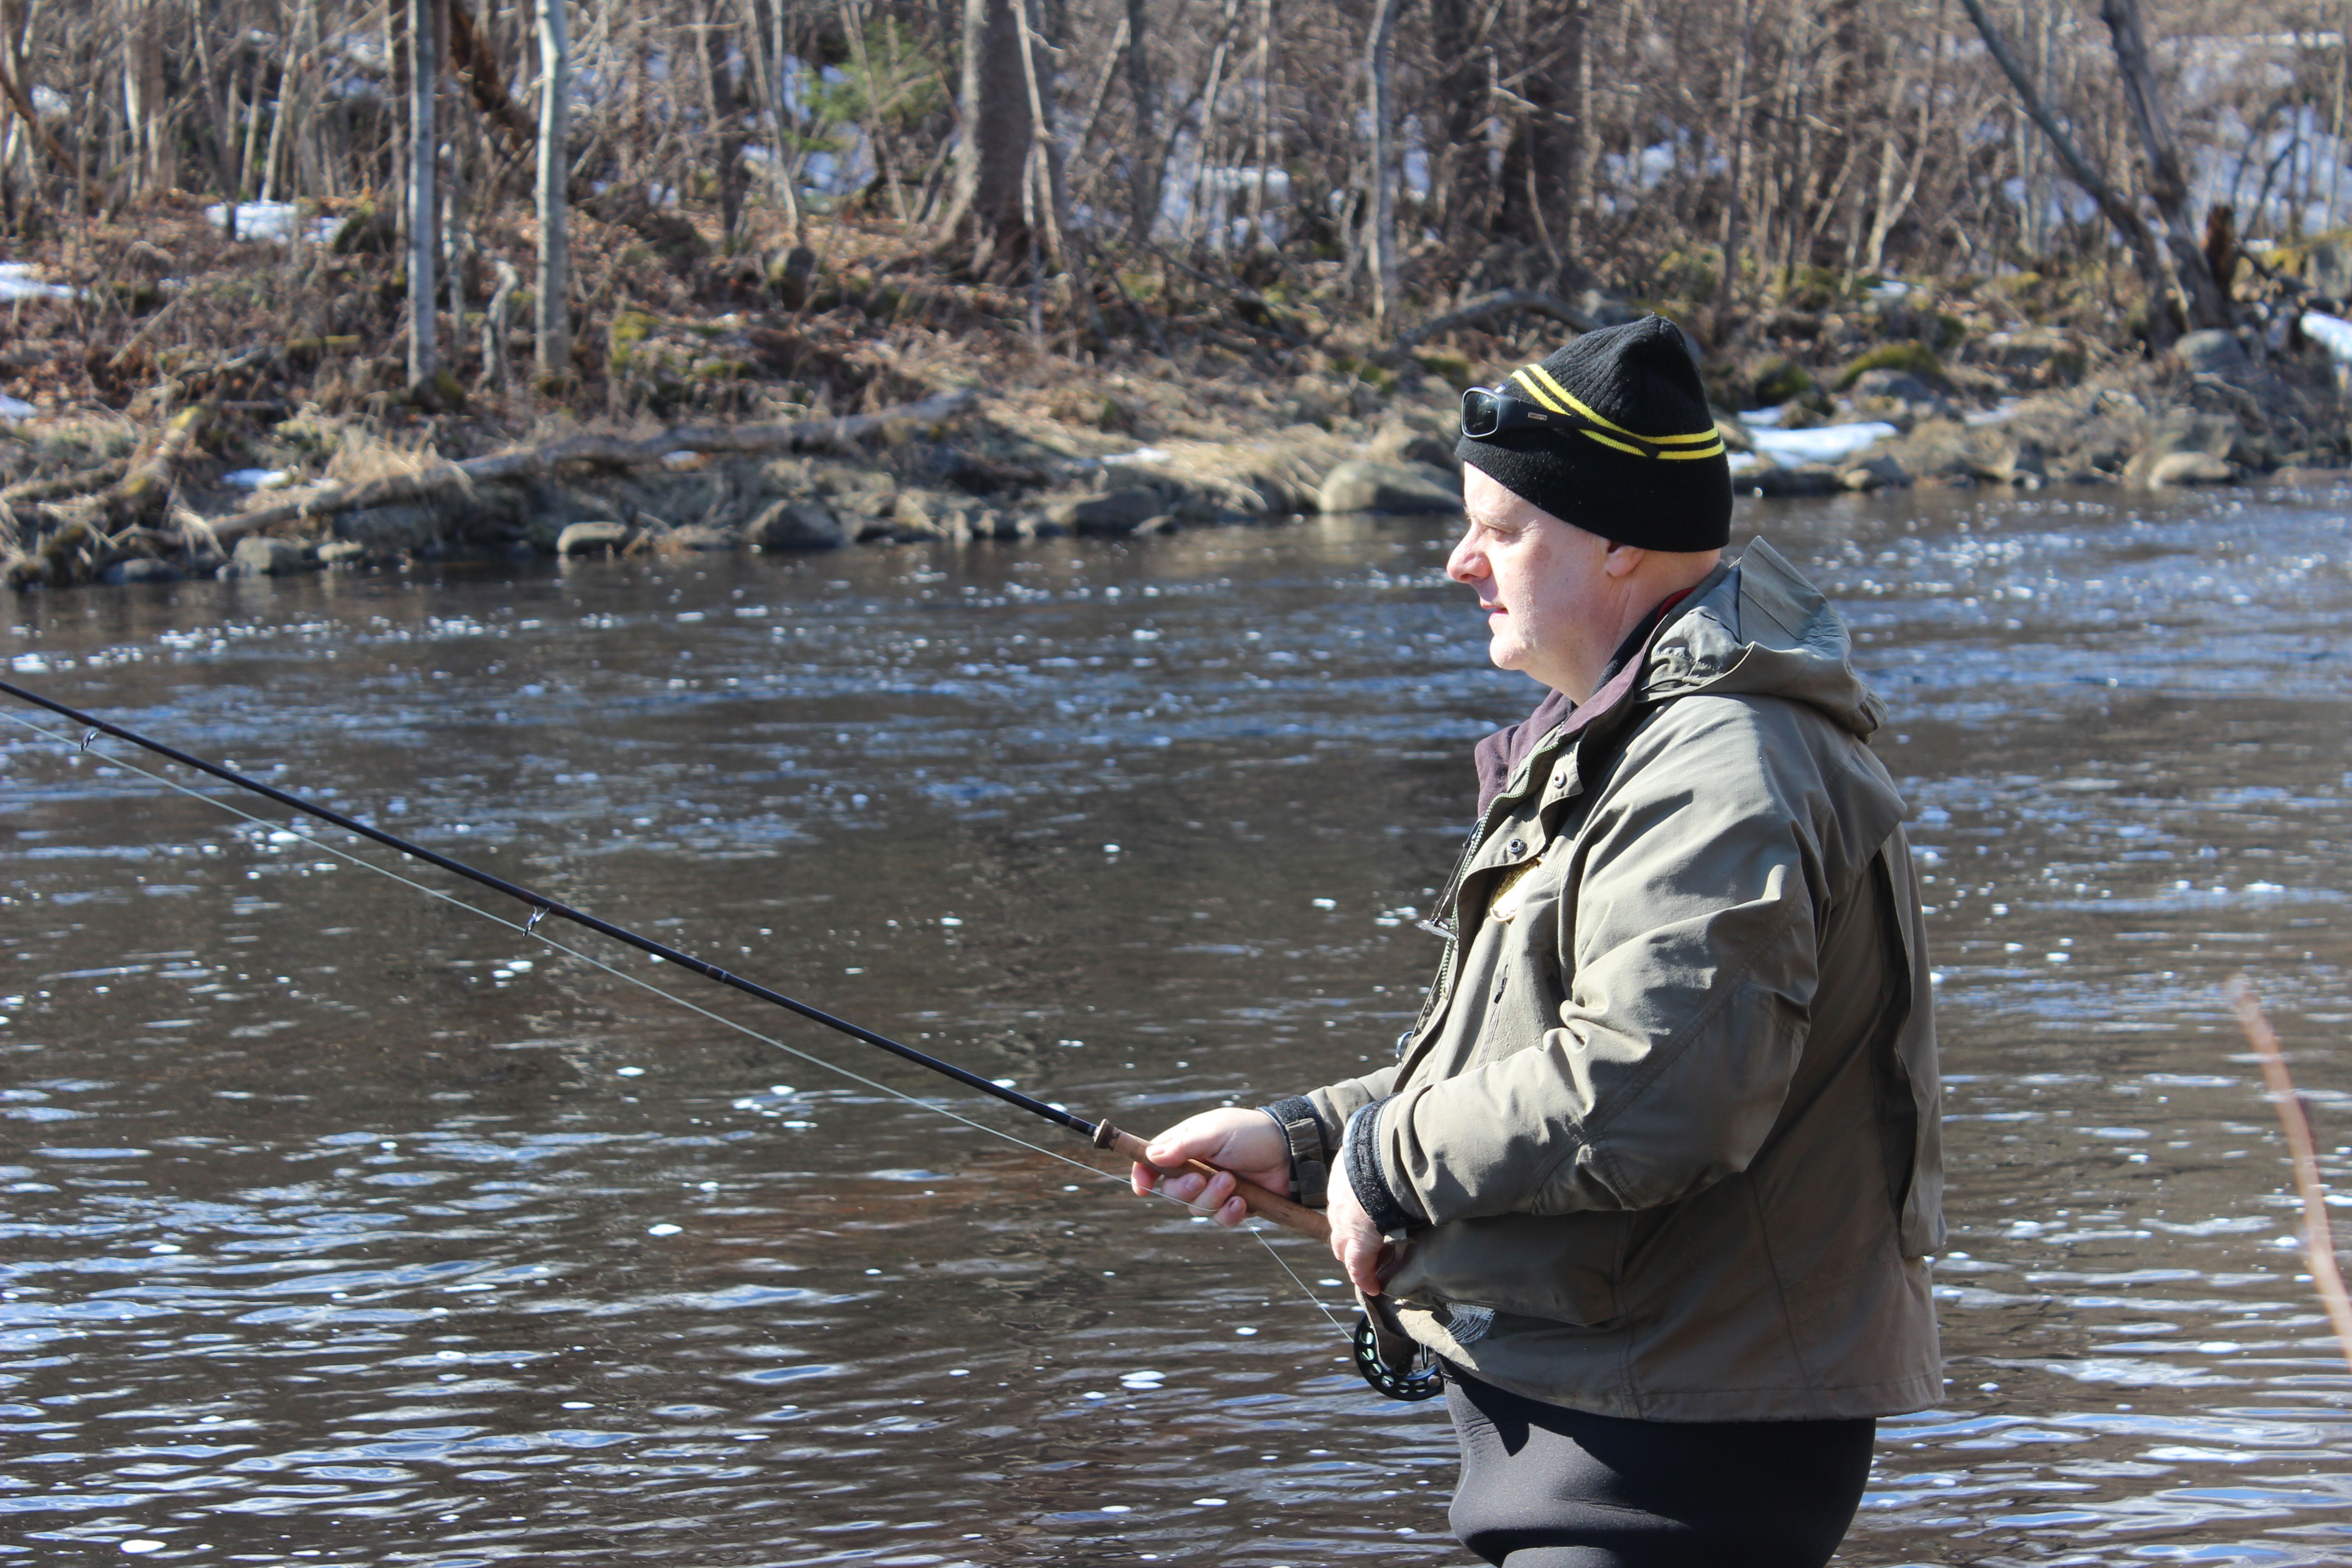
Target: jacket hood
{"points": [[1760, 629], [1752, 627]]}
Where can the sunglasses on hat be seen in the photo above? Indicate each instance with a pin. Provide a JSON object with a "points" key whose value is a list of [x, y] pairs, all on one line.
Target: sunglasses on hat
{"points": [[1487, 414]]}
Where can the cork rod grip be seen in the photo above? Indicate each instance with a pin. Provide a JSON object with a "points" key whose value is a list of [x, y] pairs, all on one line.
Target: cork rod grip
{"points": [[1265, 1204]]}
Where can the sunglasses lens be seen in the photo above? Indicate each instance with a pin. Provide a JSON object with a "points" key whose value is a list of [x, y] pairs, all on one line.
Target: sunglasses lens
{"points": [[1482, 413]]}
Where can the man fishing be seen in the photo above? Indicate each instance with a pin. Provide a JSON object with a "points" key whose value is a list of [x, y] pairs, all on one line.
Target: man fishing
{"points": [[1656, 1173]]}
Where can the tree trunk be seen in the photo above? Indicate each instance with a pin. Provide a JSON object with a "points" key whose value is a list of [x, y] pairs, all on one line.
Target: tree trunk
{"points": [[1379, 53], [146, 110], [551, 304], [877, 135], [1203, 172], [1887, 210], [2168, 188], [424, 145], [987, 215], [1735, 212], [1144, 171], [1262, 128], [725, 99]]}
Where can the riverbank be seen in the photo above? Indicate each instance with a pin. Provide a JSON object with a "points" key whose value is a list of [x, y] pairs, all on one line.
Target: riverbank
{"points": [[173, 402]]}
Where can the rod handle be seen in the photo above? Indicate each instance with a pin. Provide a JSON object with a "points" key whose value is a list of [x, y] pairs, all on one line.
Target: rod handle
{"points": [[1266, 1204]]}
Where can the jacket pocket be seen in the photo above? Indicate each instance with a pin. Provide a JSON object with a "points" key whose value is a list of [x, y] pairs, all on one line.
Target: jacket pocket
{"points": [[1565, 1268]]}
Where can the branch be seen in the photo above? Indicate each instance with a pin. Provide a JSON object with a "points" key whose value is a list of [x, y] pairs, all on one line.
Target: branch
{"points": [[602, 451], [2078, 168], [1502, 302], [24, 106], [471, 60], [2318, 1247], [2126, 217]]}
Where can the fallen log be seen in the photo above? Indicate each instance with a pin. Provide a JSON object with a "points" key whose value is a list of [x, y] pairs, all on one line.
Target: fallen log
{"points": [[583, 451], [1478, 312], [61, 486]]}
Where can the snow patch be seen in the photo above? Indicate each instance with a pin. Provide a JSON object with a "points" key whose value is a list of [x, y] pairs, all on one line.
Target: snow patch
{"points": [[1823, 444], [18, 282], [2333, 333]]}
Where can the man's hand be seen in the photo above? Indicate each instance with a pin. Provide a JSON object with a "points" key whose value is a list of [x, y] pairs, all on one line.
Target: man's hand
{"points": [[1243, 1142], [1354, 1242]]}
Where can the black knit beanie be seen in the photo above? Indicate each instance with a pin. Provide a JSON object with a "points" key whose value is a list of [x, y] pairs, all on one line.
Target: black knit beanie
{"points": [[1636, 380]]}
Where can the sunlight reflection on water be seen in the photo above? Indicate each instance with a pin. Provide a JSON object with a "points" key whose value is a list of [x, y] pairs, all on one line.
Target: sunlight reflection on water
{"points": [[342, 1223]]}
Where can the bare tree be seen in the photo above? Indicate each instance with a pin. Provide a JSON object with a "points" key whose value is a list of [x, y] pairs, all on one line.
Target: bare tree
{"points": [[2117, 209], [424, 211], [2167, 186], [551, 304], [988, 215], [1380, 221]]}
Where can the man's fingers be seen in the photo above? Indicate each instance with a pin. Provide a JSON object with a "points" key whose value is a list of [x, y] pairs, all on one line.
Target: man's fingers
{"points": [[1146, 1180], [1185, 1187], [1214, 1195]]}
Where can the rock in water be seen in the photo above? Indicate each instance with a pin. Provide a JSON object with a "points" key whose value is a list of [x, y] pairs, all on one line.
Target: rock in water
{"points": [[141, 569], [580, 537], [796, 526], [2189, 468], [259, 557], [1363, 485], [1880, 471], [1114, 513], [701, 536]]}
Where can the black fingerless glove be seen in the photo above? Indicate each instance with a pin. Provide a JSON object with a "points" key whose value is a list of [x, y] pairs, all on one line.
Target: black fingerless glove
{"points": [[1311, 1163]]}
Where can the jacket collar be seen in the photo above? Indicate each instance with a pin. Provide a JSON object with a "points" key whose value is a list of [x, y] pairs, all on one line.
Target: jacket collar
{"points": [[1503, 757]]}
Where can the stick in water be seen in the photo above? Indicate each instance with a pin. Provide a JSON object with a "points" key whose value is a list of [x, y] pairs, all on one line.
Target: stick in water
{"points": [[2318, 1245]]}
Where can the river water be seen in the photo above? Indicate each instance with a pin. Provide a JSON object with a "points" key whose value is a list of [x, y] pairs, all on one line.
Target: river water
{"points": [[344, 1225]]}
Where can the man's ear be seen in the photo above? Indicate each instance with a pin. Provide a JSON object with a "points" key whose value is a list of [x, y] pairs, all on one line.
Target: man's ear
{"points": [[1624, 560]]}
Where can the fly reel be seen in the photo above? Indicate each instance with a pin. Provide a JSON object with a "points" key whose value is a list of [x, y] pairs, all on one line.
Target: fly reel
{"points": [[1421, 1377]]}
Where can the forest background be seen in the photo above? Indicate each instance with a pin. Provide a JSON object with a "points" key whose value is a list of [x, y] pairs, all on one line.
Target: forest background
{"points": [[237, 226]]}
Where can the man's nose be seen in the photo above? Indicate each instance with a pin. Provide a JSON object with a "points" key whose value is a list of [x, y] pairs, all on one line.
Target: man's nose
{"points": [[1466, 564]]}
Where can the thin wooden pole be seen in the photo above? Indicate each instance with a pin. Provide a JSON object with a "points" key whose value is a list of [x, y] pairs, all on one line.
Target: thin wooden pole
{"points": [[2318, 1243]]}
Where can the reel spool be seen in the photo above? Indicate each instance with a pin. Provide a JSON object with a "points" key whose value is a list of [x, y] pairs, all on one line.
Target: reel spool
{"points": [[1421, 1379]]}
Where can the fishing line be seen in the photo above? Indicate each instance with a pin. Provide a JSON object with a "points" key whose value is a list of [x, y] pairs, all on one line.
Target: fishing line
{"points": [[529, 929]]}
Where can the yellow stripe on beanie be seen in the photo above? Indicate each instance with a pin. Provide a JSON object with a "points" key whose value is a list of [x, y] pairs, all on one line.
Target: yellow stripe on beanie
{"points": [[1559, 400]]}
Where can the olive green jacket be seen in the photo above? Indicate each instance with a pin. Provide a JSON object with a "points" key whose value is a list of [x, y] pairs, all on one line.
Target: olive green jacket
{"points": [[1664, 1141]]}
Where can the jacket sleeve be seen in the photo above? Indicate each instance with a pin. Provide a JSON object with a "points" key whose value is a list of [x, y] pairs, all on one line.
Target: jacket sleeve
{"points": [[1335, 1104], [1690, 954]]}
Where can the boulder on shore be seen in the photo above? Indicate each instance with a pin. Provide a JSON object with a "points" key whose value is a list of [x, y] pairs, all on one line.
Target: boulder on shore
{"points": [[1898, 397], [2300, 477], [584, 538], [141, 569], [1397, 442], [1364, 485], [256, 556], [1801, 479], [1878, 472], [796, 526], [2175, 469], [2213, 353], [1112, 514]]}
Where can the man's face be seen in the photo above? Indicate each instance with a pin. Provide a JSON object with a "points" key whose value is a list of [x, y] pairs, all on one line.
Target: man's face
{"points": [[1542, 585]]}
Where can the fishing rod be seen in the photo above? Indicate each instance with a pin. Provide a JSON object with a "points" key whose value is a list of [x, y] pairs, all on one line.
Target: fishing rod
{"points": [[1268, 1205]]}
